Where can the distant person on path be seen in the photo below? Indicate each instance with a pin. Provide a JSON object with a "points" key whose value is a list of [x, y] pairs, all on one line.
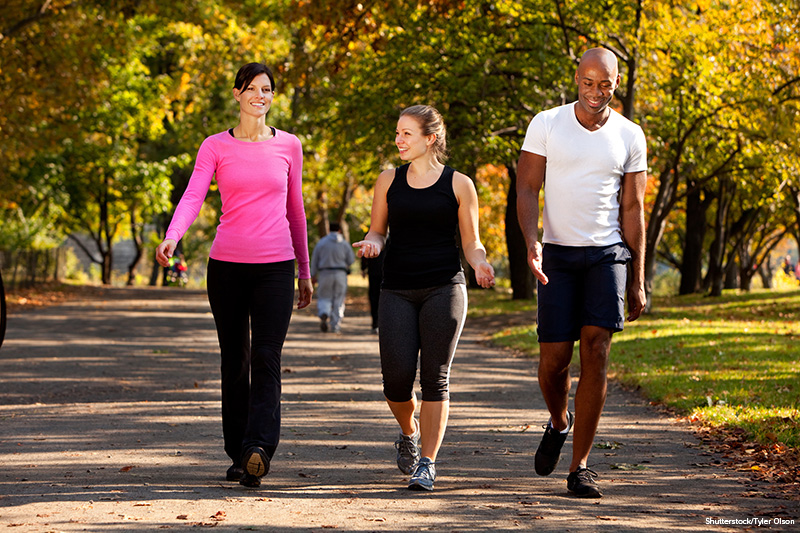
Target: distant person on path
{"points": [[372, 269], [423, 300], [592, 163], [177, 271], [787, 265], [251, 269], [330, 264]]}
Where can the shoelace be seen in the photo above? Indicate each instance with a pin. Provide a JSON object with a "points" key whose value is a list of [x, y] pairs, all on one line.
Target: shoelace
{"points": [[423, 470], [405, 446], [586, 474]]}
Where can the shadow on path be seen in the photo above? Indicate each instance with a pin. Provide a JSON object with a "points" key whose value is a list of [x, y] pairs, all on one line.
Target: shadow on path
{"points": [[109, 421]]}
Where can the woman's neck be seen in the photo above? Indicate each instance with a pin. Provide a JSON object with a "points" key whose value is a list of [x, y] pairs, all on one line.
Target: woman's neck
{"points": [[424, 164], [252, 129]]}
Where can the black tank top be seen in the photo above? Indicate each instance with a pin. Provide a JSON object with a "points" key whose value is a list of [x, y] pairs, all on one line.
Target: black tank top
{"points": [[421, 251]]}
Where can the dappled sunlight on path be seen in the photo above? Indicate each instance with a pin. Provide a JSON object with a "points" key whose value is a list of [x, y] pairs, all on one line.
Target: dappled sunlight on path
{"points": [[109, 417]]}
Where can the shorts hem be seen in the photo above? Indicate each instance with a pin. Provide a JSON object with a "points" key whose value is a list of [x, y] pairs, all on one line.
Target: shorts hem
{"points": [[567, 337]]}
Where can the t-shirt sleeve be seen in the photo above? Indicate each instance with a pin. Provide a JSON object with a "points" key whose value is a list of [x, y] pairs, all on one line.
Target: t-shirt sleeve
{"points": [[295, 210], [536, 137], [192, 200], [637, 153]]}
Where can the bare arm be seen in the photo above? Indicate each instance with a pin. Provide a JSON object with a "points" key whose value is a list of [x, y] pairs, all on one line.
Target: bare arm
{"points": [[474, 251], [632, 222], [375, 238], [530, 178]]}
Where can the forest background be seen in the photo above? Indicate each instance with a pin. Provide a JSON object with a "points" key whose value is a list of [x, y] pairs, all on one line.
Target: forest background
{"points": [[103, 105]]}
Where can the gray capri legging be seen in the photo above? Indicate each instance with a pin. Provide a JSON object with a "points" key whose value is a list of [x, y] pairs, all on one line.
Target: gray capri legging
{"points": [[422, 324]]}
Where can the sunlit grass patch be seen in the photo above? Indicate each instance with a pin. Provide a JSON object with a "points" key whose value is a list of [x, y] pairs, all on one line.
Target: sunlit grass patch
{"points": [[766, 424], [496, 301]]}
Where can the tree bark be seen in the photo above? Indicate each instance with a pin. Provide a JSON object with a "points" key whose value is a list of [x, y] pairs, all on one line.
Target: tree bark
{"points": [[522, 280], [716, 273], [2, 310], [693, 253]]}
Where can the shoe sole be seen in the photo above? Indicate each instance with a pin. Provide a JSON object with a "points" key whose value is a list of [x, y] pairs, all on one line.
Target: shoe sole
{"points": [[593, 494], [417, 486], [255, 465]]}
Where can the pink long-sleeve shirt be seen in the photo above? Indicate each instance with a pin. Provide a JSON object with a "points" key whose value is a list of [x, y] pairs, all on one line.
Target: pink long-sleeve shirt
{"points": [[263, 218]]}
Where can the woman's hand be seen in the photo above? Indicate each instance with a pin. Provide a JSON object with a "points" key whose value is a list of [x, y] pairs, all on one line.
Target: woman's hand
{"points": [[305, 289], [164, 251], [484, 274], [368, 248]]}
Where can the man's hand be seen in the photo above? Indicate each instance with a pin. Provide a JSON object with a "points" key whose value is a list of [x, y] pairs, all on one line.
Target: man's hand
{"points": [[637, 299], [535, 262]]}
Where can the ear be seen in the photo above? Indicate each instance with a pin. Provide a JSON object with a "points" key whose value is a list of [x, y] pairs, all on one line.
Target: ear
{"points": [[236, 94], [431, 139]]}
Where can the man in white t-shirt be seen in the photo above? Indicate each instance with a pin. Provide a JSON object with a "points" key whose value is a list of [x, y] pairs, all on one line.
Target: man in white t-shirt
{"points": [[592, 163]]}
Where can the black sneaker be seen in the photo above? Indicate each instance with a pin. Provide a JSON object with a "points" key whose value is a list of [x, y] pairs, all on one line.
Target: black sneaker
{"points": [[323, 322], [424, 475], [234, 473], [407, 452], [255, 464], [581, 484], [549, 451], [250, 481]]}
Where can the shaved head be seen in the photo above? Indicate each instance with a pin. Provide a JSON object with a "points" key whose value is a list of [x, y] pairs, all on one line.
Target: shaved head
{"points": [[600, 57]]}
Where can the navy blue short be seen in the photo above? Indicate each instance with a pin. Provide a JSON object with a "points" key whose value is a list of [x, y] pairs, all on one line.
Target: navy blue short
{"points": [[586, 288]]}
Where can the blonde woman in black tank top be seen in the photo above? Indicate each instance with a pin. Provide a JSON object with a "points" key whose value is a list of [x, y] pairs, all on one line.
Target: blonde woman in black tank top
{"points": [[423, 297]]}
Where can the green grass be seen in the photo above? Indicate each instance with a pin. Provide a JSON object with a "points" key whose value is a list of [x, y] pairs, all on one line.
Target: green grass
{"points": [[730, 362], [496, 302]]}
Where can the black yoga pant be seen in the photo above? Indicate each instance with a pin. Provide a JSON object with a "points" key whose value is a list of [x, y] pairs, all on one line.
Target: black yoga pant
{"points": [[424, 325], [252, 306]]}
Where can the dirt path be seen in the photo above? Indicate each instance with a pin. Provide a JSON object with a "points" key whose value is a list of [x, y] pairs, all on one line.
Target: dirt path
{"points": [[109, 421]]}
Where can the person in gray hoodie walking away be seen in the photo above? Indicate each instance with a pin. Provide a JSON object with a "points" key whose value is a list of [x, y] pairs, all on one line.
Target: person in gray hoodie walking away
{"points": [[330, 264]]}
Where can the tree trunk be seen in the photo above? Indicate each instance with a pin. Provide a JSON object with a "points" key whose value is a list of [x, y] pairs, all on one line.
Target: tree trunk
{"points": [[693, 253], [766, 273], [138, 242], [2, 310], [746, 269], [522, 280], [731, 274], [323, 224], [160, 222], [655, 228], [716, 274]]}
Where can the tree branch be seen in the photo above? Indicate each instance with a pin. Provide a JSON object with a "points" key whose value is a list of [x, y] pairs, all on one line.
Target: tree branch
{"points": [[42, 12]]}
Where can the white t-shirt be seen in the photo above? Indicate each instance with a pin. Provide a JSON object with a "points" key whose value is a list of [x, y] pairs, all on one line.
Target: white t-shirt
{"points": [[583, 174]]}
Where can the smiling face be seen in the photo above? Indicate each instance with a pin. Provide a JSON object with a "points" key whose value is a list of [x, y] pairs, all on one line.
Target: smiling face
{"points": [[410, 140], [255, 99], [597, 78]]}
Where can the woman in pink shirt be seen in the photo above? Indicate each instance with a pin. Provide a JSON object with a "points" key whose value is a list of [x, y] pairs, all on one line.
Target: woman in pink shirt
{"points": [[251, 266]]}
